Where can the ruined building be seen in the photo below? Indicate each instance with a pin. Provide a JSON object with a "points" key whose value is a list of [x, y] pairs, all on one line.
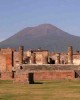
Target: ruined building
{"points": [[27, 66]]}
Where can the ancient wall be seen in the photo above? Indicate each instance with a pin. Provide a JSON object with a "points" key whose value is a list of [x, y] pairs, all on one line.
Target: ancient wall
{"points": [[20, 54], [45, 72], [21, 77], [6, 76], [2, 63], [63, 58], [45, 57], [70, 55], [8, 55], [41, 57], [32, 58], [32, 76], [38, 58], [76, 58], [16, 59], [53, 75], [59, 58], [49, 65]]}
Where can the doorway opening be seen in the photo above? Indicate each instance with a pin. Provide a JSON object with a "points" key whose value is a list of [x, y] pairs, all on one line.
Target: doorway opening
{"points": [[31, 78]]}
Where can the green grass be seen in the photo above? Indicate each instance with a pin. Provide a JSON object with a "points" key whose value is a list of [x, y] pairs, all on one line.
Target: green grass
{"points": [[49, 90]]}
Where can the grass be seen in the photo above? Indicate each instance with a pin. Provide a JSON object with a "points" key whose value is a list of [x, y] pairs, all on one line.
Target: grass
{"points": [[49, 90]]}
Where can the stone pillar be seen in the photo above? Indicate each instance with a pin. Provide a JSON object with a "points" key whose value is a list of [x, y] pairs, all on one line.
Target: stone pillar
{"points": [[45, 60], [58, 58], [21, 49], [70, 55], [45, 57], [32, 58]]}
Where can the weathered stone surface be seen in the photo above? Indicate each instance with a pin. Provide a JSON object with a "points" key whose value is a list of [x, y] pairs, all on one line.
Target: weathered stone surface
{"points": [[6, 56], [21, 48], [32, 58], [62, 65], [49, 67], [21, 77], [2, 63], [54, 75], [70, 55], [58, 58], [6, 76], [45, 72]]}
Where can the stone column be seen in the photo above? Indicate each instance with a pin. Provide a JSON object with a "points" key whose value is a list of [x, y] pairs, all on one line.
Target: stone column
{"points": [[21, 49], [70, 55], [32, 58], [45, 57], [58, 58]]}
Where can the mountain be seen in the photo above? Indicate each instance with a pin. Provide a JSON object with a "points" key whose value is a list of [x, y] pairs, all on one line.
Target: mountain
{"points": [[45, 36]]}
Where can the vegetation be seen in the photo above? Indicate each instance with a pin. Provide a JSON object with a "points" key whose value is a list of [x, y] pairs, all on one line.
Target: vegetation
{"points": [[48, 90]]}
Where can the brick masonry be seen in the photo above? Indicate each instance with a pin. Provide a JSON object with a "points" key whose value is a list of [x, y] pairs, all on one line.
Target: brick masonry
{"points": [[45, 72], [37, 65], [53, 75], [6, 76]]}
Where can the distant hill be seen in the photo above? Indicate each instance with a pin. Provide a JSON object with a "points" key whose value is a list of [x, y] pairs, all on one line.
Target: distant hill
{"points": [[45, 36]]}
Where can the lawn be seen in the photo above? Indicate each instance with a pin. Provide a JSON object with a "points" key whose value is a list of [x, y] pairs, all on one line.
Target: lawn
{"points": [[49, 90]]}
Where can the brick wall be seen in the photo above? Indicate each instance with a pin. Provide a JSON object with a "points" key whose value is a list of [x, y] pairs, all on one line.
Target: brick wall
{"points": [[2, 63], [32, 76], [8, 54], [6, 76], [21, 77], [53, 75], [16, 58]]}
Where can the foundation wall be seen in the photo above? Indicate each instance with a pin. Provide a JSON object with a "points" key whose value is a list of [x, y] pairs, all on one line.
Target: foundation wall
{"points": [[27, 77], [6, 76], [21, 77], [53, 75]]}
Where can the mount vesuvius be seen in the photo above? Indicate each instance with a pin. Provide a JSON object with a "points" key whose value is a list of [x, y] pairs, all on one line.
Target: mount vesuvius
{"points": [[45, 36]]}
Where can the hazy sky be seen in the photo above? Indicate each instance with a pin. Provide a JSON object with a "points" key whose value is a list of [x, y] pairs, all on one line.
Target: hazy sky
{"points": [[18, 14]]}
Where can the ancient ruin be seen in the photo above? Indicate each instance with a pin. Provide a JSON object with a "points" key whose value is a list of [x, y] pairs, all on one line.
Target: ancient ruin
{"points": [[28, 66]]}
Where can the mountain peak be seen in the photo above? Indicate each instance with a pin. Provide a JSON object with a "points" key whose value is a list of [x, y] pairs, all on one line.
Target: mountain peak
{"points": [[46, 36], [46, 26]]}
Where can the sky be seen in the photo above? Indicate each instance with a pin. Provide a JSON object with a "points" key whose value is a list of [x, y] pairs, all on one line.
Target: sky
{"points": [[18, 14]]}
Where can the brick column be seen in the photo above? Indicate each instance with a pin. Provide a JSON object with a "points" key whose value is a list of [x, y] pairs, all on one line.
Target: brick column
{"points": [[45, 57], [32, 58], [58, 58], [21, 49], [70, 55]]}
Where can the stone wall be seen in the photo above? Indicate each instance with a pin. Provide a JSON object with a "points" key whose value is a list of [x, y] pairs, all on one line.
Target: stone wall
{"points": [[59, 58], [49, 67], [45, 72], [41, 56], [76, 58]]}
